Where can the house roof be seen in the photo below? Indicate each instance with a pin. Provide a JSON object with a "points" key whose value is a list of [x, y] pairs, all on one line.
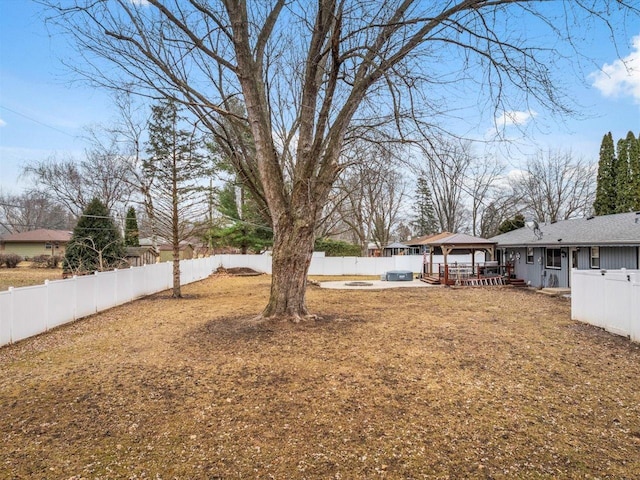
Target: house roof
{"points": [[36, 236], [618, 229], [167, 247], [137, 251]]}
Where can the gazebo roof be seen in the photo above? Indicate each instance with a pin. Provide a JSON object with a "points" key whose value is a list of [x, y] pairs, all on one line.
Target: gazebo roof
{"points": [[460, 240], [396, 245], [427, 239]]}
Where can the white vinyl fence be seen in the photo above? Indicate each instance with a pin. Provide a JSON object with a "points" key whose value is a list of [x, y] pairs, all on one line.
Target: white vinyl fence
{"points": [[28, 311], [607, 299], [321, 265]]}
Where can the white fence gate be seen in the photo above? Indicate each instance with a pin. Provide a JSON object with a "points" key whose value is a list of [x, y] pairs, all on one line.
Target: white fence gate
{"points": [[607, 299]]}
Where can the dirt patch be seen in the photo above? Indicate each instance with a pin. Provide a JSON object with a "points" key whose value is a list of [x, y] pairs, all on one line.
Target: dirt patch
{"points": [[407, 383], [238, 272]]}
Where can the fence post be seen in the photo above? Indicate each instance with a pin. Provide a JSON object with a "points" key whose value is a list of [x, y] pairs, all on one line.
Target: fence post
{"points": [[11, 314], [46, 302]]}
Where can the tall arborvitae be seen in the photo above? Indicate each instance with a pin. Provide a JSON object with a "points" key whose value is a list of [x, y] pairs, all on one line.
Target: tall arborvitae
{"points": [[622, 177], [131, 234], [634, 170], [606, 196]]}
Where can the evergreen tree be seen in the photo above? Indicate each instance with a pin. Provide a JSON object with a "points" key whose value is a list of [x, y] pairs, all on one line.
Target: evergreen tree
{"points": [[177, 163], [622, 176], [245, 227], [634, 170], [424, 222], [131, 233], [512, 223], [96, 243], [606, 197]]}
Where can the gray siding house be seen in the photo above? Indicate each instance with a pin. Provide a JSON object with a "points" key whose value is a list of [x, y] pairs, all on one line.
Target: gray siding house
{"points": [[543, 255]]}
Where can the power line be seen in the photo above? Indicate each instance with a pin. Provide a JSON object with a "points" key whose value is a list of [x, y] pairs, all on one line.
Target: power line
{"points": [[37, 121]]}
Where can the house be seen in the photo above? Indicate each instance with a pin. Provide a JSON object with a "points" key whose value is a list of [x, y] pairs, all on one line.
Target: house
{"points": [[36, 242], [166, 252], [395, 248], [138, 256], [543, 255]]}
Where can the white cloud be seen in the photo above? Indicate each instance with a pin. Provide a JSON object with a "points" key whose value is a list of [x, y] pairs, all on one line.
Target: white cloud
{"points": [[514, 117], [3, 123], [142, 3], [622, 77]]}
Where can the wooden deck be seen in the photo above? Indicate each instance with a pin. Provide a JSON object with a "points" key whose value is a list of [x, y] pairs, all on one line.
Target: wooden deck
{"points": [[473, 275]]}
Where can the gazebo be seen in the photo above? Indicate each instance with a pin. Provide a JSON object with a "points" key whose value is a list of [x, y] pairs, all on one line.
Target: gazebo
{"points": [[449, 274]]}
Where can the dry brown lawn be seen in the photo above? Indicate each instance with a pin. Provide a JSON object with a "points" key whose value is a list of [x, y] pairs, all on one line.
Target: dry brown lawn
{"points": [[24, 275], [407, 383]]}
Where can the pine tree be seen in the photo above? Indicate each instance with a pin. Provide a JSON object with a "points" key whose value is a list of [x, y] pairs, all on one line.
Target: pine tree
{"points": [[424, 222], [606, 197], [245, 227], [634, 170], [514, 223], [96, 243], [177, 162], [131, 233]]}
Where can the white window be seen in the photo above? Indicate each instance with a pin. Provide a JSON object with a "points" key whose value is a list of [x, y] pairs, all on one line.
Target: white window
{"points": [[47, 245], [554, 258], [529, 254], [595, 257]]}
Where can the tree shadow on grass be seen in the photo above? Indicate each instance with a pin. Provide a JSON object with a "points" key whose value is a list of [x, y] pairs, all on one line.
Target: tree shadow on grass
{"points": [[255, 327]]}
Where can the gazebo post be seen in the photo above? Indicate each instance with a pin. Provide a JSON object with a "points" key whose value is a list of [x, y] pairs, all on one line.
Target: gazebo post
{"points": [[473, 262]]}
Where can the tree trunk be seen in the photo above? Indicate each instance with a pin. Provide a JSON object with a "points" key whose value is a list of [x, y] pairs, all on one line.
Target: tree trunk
{"points": [[292, 250], [175, 233]]}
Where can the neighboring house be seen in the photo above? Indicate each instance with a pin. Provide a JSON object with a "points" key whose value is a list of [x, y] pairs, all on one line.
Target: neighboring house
{"points": [[373, 250], [138, 256], [166, 252], [543, 255], [396, 248], [36, 242]]}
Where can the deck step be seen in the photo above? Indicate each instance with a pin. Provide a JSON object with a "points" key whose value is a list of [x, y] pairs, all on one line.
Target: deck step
{"points": [[485, 281], [517, 282], [431, 280]]}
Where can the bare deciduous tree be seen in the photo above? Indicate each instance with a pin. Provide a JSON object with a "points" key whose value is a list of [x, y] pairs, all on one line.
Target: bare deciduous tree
{"points": [[310, 72], [447, 166], [555, 186], [367, 199], [31, 211], [102, 174]]}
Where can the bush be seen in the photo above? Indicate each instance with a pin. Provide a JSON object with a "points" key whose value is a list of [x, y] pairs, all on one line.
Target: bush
{"points": [[10, 260], [337, 248], [46, 261]]}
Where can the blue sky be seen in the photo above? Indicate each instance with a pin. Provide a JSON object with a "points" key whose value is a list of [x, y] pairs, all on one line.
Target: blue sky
{"points": [[43, 111]]}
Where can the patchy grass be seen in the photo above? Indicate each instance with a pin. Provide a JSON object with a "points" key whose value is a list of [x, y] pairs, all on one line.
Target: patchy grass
{"points": [[24, 275], [407, 383]]}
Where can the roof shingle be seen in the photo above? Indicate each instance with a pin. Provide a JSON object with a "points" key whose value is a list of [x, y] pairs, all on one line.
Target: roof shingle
{"points": [[618, 229]]}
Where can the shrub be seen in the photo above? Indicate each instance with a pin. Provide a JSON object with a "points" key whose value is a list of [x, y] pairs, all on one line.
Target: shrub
{"points": [[337, 248], [10, 260], [46, 261]]}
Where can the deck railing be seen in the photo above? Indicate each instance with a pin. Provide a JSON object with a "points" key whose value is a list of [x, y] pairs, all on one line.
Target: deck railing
{"points": [[452, 273]]}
